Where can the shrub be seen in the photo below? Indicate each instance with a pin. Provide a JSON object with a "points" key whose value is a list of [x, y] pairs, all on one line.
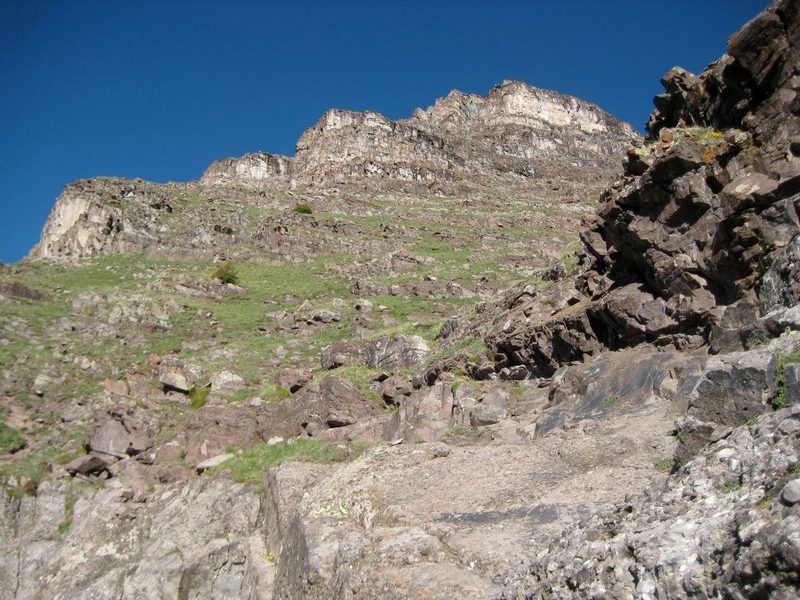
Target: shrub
{"points": [[303, 209], [226, 273]]}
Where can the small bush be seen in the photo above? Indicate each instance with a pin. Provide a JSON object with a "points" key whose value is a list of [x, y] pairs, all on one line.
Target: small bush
{"points": [[226, 273], [303, 209]]}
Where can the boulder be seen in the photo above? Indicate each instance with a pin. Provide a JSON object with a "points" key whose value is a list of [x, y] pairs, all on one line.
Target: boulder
{"points": [[89, 464], [293, 379], [486, 414], [396, 352], [126, 432], [176, 379], [780, 286], [341, 354], [734, 388], [214, 461], [515, 373], [226, 382], [389, 353], [424, 417]]}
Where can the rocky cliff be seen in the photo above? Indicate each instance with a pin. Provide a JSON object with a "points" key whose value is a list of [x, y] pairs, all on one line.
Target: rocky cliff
{"points": [[388, 402]]}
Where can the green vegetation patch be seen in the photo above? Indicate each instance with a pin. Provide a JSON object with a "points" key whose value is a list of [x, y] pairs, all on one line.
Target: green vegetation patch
{"points": [[199, 396], [69, 513], [664, 465], [10, 439], [303, 209], [249, 465], [779, 401]]}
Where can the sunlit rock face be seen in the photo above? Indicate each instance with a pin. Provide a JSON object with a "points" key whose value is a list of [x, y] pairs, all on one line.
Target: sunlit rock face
{"points": [[520, 121], [257, 169]]}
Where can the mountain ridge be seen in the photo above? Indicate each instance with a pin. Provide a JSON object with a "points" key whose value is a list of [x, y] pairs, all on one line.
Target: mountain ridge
{"points": [[518, 134]]}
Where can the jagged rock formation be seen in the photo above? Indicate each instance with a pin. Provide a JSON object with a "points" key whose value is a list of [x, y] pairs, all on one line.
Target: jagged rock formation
{"points": [[515, 128], [700, 217]]}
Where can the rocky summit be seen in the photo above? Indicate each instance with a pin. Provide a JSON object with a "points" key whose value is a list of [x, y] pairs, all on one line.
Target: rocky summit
{"points": [[505, 348]]}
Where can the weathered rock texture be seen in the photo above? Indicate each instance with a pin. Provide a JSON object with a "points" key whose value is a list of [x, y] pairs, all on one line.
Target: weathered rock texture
{"points": [[515, 128], [196, 541], [725, 526], [258, 169]]}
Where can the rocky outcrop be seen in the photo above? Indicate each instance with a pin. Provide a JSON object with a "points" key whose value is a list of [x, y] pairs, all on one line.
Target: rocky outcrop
{"points": [[704, 220], [256, 170], [195, 541], [390, 353], [345, 145], [518, 121]]}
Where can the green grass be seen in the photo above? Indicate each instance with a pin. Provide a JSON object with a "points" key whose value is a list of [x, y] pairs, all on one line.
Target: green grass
{"points": [[250, 465], [24, 474], [272, 392], [10, 439], [474, 348], [69, 513], [664, 465]]}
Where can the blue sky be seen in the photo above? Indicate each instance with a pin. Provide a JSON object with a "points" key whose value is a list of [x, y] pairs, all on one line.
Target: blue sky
{"points": [[159, 89]]}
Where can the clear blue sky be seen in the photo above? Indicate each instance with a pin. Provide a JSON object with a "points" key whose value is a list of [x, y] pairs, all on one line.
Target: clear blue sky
{"points": [[159, 89]]}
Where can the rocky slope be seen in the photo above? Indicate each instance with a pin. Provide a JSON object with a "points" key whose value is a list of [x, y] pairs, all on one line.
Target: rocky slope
{"points": [[392, 403]]}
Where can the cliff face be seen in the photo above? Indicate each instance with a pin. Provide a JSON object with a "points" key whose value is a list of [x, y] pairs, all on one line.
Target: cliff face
{"points": [[517, 121], [258, 169]]}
